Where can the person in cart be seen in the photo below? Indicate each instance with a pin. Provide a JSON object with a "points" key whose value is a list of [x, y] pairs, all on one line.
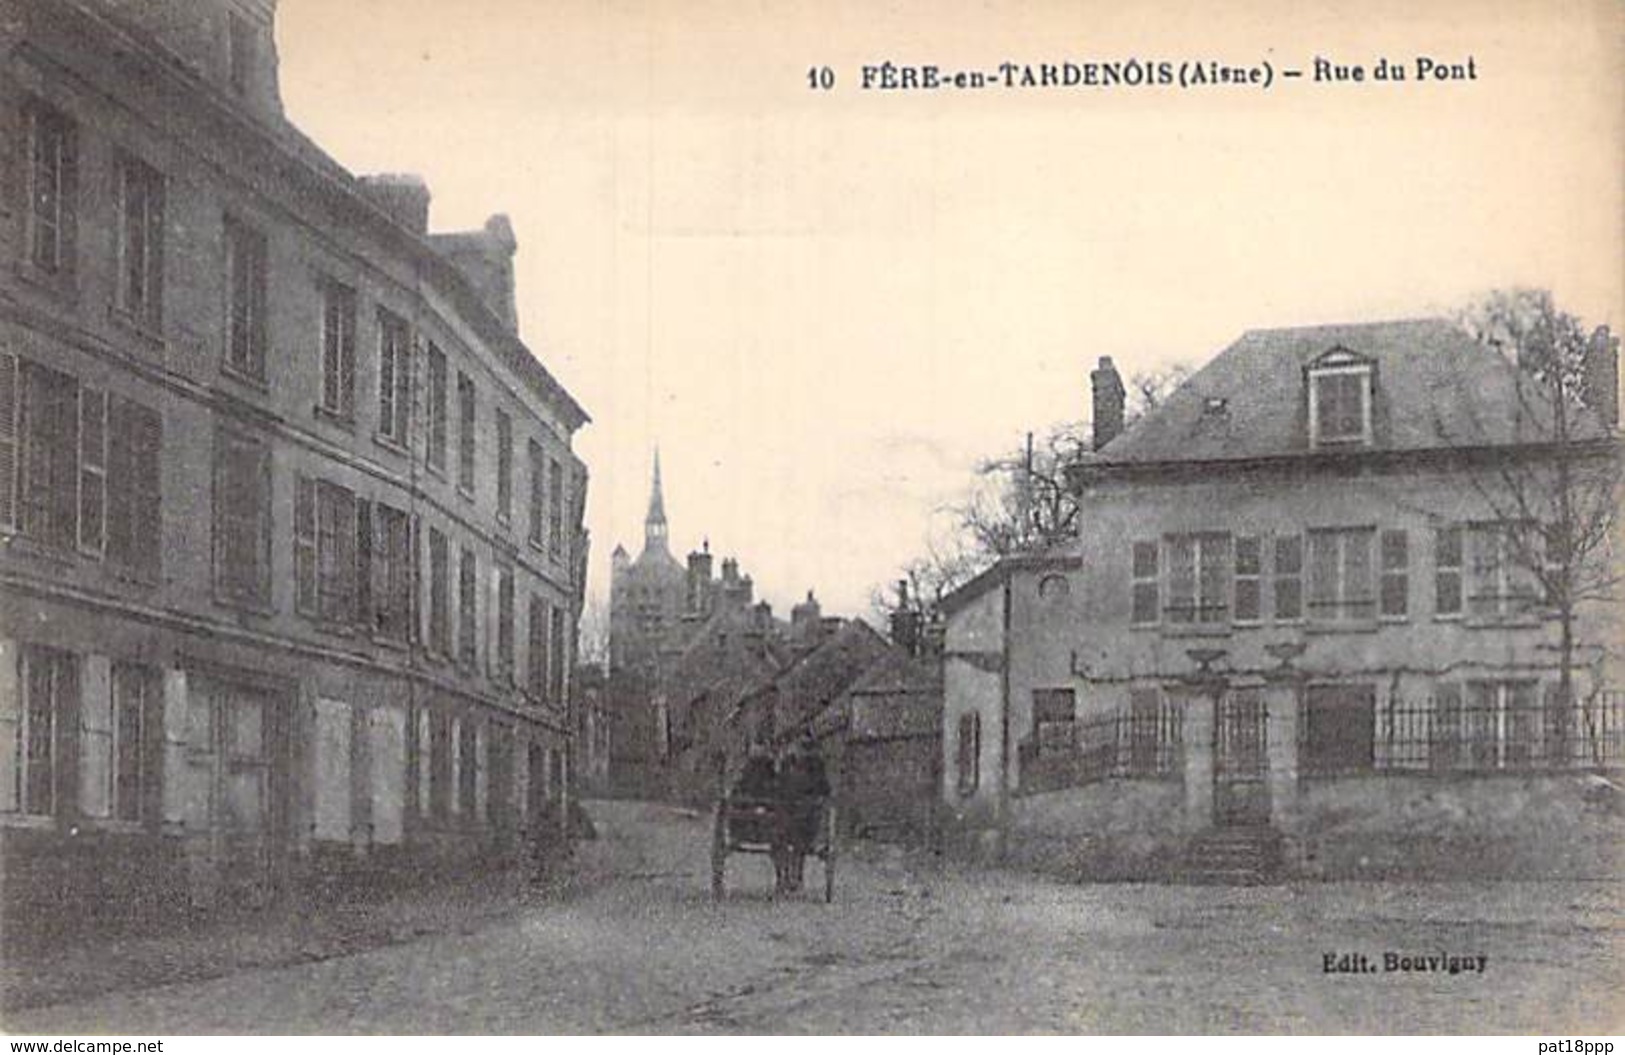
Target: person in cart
{"points": [[756, 795], [803, 787]]}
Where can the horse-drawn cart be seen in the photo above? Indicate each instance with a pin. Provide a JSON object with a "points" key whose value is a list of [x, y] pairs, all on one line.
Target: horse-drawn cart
{"points": [[766, 826]]}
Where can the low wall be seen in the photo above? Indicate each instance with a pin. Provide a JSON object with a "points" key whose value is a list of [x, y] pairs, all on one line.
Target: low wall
{"points": [[56, 883], [1501, 826], [1114, 829]]}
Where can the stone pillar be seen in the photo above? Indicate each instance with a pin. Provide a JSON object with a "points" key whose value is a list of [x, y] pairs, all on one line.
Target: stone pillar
{"points": [[1282, 693], [1196, 707]]}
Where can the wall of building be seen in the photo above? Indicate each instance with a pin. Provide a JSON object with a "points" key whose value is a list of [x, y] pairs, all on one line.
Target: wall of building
{"points": [[1113, 655], [973, 684], [345, 705]]}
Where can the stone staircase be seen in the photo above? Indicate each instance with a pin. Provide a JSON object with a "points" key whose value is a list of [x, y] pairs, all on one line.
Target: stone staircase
{"points": [[1238, 856]]}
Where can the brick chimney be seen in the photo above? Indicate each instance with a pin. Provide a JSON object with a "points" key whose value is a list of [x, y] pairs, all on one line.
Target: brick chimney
{"points": [[1601, 376], [905, 622], [1106, 387], [699, 581], [485, 257], [403, 196], [806, 621]]}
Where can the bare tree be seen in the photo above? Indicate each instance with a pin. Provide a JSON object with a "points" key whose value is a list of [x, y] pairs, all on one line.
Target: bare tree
{"points": [[1555, 502], [1017, 502]]}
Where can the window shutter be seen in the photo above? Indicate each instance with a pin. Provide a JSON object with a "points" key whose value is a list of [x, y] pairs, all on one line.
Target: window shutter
{"points": [[134, 497], [304, 546], [146, 437], [10, 405], [70, 197], [92, 470], [10, 723], [414, 573], [155, 251], [363, 564]]}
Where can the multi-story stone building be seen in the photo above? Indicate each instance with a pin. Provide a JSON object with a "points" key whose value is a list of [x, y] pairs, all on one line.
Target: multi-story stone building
{"points": [[292, 539], [1302, 619]]}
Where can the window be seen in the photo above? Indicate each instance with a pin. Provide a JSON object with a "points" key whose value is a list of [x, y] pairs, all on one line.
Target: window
{"points": [[1339, 728], [42, 452], [134, 487], [555, 510], [1288, 578], [1053, 712], [1396, 591], [338, 351], [442, 766], [467, 587], [1249, 574], [242, 518], [1340, 581], [29, 728], [1340, 400], [92, 471], [439, 594], [1054, 588], [1447, 568], [1487, 724], [504, 650], [538, 494], [78, 466], [324, 518], [1198, 578], [52, 178], [391, 572], [1145, 584], [436, 455], [536, 658], [140, 242], [1501, 585], [137, 703], [394, 377], [465, 433], [245, 305], [968, 753], [504, 466], [558, 649]]}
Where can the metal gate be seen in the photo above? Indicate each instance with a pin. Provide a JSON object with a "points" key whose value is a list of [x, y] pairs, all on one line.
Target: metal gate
{"points": [[1241, 794]]}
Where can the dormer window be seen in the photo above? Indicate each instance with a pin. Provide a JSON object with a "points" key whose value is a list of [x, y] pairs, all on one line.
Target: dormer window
{"points": [[1339, 399]]}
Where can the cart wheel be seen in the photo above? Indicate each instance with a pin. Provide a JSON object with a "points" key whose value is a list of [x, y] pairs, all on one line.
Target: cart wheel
{"points": [[719, 849], [829, 854]]}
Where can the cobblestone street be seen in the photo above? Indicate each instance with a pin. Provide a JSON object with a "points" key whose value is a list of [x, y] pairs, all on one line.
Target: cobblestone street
{"points": [[640, 948]]}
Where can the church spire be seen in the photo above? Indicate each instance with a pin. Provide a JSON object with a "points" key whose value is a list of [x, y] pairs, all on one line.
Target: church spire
{"points": [[654, 525]]}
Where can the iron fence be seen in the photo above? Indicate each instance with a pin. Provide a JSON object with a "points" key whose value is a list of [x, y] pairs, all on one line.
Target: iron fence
{"points": [[1132, 742], [1486, 728]]}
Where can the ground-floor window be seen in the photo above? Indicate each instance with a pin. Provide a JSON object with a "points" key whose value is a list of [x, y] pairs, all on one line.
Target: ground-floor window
{"points": [[467, 768], [30, 726], [1339, 725]]}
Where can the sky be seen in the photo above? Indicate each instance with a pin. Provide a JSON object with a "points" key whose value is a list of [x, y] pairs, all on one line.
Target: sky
{"points": [[825, 306]]}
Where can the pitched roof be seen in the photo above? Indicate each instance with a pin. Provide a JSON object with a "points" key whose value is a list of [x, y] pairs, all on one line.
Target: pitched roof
{"points": [[811, 681], [1434, 388]]}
